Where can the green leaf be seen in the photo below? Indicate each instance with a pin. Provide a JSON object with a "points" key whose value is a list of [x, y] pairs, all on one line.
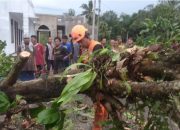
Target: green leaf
{"points": [[48, 116], [115, 57], [35, 111], [76, 85], [68, 96], [58, 125], [104, 51], [72, 67], [18, 97], [4, 102], [77, 82], [88, 84]]}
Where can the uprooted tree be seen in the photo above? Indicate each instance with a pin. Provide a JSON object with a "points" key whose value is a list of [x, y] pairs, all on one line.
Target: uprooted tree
{"points": [[133, 83]]}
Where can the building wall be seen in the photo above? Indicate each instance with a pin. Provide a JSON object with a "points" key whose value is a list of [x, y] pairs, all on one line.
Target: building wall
{"points": [[70, 21], [31, 27], [48, 20], [10, 9]]}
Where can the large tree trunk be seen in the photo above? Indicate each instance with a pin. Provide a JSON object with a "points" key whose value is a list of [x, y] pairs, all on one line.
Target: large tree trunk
{"points": [[51, 87], [41, 89]]}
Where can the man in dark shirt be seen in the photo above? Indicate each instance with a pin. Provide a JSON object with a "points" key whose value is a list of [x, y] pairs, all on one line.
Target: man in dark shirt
{"points": [[60, 52]]}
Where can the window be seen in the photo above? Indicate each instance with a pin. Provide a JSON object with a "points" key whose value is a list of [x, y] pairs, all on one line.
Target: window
{"points": [[21, 33], [16, 34], [19, 36], [12, 31]]}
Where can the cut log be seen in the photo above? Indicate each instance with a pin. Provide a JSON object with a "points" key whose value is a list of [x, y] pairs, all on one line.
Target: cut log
{"points": [[143, 89], [37, 90], [14, 73]]}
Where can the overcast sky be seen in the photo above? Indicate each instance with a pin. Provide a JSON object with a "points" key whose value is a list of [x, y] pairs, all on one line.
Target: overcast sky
{"points": [[62, 6]]}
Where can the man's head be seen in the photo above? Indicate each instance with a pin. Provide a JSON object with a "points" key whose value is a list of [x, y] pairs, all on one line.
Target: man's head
{"points": [[103, 41], [112, 42], [57, 41], [130, 42], [50, 40], [116, 43], [34, 39], [119, 40], [64, 39], [80, 35], [85, 41], [26, 39]]}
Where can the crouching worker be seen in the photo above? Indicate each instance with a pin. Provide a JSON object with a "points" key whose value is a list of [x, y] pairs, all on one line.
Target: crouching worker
{"points": [[80, 35]]}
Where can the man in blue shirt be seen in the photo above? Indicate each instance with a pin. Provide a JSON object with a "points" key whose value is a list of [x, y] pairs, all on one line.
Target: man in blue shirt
{"points": [[68, 46]]}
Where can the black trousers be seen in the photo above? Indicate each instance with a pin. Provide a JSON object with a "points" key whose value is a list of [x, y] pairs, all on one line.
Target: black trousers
{"points": [[50, 63], [58, 66]]}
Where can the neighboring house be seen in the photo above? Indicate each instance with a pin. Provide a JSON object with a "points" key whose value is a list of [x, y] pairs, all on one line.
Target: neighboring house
{"points": [[58, 25], [16, 18]]}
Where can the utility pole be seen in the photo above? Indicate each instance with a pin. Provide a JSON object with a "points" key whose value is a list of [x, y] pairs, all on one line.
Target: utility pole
{"points": [[94, 16], [99, 10]]}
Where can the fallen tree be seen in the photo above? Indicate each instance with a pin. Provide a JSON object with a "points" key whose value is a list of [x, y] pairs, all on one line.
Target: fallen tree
{"points": [[116, 78]]}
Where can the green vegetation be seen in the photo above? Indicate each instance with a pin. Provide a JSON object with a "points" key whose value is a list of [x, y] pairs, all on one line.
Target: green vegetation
{"points": [[153, 24], [5, 61]]}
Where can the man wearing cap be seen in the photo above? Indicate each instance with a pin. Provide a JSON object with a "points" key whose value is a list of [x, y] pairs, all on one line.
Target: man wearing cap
{"points": [[80, 35], [27, 72]]}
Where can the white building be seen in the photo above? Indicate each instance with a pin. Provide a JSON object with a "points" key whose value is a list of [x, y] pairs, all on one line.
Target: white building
{"points": [[16, 18]]}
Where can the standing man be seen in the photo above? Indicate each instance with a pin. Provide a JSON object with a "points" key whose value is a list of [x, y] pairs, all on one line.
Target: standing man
{"points": [[80, 35], [29, 68], [39, 55], [49, 57], [68, 46], [130, 42], [103, 42], [60, 53]]}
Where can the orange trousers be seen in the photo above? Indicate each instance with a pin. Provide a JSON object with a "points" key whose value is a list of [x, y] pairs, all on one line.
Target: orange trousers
{"points": [[101, 115]]}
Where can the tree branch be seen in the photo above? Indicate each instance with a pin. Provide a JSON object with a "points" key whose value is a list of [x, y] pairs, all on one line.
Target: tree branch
{"points": [[14, 73]]}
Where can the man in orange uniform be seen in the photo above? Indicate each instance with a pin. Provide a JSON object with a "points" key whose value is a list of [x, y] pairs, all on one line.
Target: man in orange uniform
{"points": [[80, 35]]}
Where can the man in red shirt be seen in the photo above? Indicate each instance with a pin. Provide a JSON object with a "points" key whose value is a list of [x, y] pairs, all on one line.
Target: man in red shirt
{"points": [[39, 55]]}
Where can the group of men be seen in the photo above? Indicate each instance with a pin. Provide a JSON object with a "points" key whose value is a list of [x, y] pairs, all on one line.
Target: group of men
{"points": [[52, 57]]}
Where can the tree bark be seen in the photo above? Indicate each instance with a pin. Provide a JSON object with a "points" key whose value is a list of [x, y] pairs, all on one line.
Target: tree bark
{"points": [[143, 89], [37, 90], [14, 73]]}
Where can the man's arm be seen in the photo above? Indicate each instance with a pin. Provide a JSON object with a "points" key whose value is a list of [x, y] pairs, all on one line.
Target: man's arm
{"points": [[43, 53], [34, 58]]}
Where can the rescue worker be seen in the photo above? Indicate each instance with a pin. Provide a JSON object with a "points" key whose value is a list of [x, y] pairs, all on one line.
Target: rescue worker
{"points": [[80, 35]]}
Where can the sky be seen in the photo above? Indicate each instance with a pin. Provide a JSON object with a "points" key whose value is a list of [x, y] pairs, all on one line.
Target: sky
{"points": [[62, 6]]}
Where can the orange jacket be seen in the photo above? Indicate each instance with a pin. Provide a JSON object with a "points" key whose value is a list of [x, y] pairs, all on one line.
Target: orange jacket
{"points": [[93, 43]]}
